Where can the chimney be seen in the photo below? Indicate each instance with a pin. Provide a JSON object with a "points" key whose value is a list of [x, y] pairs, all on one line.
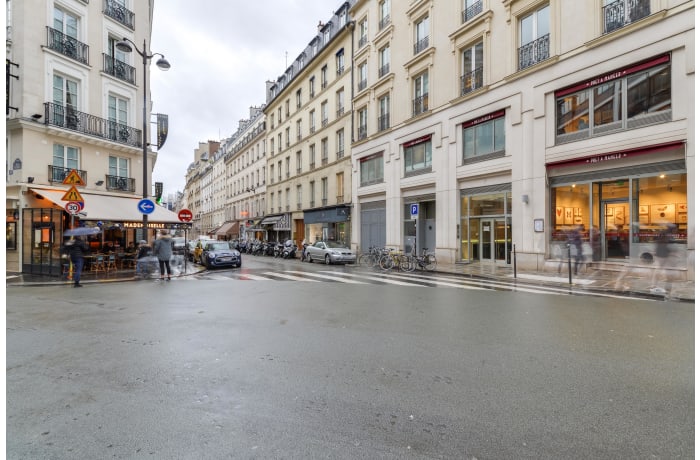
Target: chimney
{"points": [[320, 25]]}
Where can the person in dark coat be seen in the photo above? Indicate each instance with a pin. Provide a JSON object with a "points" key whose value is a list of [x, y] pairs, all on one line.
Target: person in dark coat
{"points": [[77, 249], [141, 262], [163, 250]]}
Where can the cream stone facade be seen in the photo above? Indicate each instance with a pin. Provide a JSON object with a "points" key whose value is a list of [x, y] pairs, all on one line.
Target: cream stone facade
{"points": [[75, 102], [493, 129], [309, 130]]}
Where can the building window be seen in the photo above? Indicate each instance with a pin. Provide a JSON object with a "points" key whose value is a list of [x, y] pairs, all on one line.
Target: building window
{"points": [[638, 99], [362, 76], [340, 102], [619, 13], [324, 191], [279, 141], [372, 169], [312, 156], [324, 150], [298, 98], [422, 35], [312, 87], [65, 99], [340, 61], [298, 130], [287, 137], [312, 193], [340, 143], [362, 123], [340, 188], [324, 114], [420, 94], [299, 162], [384, 14], [286, 108], [472, 68], [534, 38], [384, 61], [279, 170], [484, 138], [298, 196], [362, 41], [287, 165], [312, 121], [418, 156], [383, 121], [324, 77], [118, 121]]}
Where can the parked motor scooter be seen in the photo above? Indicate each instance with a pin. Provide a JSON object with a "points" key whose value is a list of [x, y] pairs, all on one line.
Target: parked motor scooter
{"points": [[289, 250]]}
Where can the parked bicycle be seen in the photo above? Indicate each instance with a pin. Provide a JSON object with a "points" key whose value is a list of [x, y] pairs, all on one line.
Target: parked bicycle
{"points": [[426, 261], [394, 259], [371, 258]]}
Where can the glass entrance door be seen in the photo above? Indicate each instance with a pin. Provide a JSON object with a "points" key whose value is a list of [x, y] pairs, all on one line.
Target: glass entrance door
{"points": [[616, 231], [486, 239]]}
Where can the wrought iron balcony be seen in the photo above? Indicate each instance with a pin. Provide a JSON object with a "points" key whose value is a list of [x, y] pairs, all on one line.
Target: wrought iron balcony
{"points": [[69, 118], [472, 80], [623, 12], [362, 41], [119, 69], [421, 44], [68, 46], [324, 122], [361, 133], [119, 13], [340, 154], [534, 52], [472, 11], [59, 173], [339, 113], [385, 21], [383, 70], [420, 104], [124, 184], [383, 122], [362, 85]]}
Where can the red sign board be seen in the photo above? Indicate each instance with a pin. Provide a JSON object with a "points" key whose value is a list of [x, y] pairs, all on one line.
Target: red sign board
{"points": [[185, 215]]}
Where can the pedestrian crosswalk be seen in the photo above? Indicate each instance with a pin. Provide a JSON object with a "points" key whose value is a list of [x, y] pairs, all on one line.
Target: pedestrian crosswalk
{"points": [[361, 277]]}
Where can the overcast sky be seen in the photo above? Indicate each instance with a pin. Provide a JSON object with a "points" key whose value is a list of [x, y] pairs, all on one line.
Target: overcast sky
{"points": [[221, 53]]}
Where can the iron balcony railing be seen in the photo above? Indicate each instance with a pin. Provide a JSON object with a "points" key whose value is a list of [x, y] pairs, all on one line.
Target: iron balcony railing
{"points": [[420, 104], [119, 69], [67, 46], [623, 12], [340, 154], [362, 85], [362, 41], [472, 11], [69, 118], [361, 133], [124, 184], [119, 13], [383, 70], [384, 21], [339, 113], [534, 52], [472, 80], [421, 44], [324, 122], [383, 122], [59, 173]]}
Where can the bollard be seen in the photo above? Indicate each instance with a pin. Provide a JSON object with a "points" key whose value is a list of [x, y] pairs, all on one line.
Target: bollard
{"points": [[515, 264], [568, 250]]}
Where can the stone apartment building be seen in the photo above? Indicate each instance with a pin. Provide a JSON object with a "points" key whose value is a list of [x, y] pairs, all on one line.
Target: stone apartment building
{"points": [[74, 101], [488, 128]]}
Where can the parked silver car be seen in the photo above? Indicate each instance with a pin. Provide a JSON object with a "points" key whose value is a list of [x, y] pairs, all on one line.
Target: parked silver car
{"points": [[330, 252]]}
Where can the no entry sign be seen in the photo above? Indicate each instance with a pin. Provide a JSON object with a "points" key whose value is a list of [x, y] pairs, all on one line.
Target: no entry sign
{"points": [[185, 215]]}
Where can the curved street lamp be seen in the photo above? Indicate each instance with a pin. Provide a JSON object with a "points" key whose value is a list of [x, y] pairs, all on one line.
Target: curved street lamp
{"points": [[125, 46]]}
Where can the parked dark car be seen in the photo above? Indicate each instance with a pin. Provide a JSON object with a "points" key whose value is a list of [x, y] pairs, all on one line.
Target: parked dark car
{"points": [[218, 254]]}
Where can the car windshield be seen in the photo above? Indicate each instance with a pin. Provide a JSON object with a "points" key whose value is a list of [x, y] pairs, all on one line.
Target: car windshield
{"points": [[218, 246], [335, 245]]}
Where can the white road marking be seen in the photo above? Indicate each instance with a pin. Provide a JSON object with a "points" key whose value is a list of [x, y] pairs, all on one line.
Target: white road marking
{"points": [[334, 278], [291, 277]]}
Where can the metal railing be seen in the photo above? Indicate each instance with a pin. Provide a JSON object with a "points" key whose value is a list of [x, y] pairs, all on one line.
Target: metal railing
{"points": [[383, 70], [361, 132], [472, 80], [420, 104], [67, 46], [385, 21], [472, 11], [421, 44], [124, 184], [623, 12], [362, 41], [69, 118], [59, 173], [119, 13], [383, 122], [362, 85], [119, 69], [534, 52]]}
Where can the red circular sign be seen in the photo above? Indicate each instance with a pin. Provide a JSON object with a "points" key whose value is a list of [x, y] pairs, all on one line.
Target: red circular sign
{"points": [[185, 215], [73, 207]]}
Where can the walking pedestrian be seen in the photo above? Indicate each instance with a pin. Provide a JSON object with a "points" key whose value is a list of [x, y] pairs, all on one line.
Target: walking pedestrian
{"points": [[662, 253], [77, 249], [141, 258], [163, 250], [577, 242]]}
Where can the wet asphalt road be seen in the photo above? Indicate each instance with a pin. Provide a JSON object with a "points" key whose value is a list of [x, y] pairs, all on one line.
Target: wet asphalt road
{"points": [[236, 369]]}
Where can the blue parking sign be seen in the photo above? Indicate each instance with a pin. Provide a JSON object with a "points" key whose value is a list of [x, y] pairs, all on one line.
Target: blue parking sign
{"points": [[414, 210]]}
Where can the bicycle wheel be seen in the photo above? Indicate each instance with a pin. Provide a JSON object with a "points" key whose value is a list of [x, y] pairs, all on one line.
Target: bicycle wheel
{"points": [[366, 260], [386, 262], [430, 262], [407, 264]]}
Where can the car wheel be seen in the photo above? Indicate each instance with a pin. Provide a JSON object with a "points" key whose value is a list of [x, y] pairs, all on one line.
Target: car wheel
{"points": [[328, 259], [308, 258]]}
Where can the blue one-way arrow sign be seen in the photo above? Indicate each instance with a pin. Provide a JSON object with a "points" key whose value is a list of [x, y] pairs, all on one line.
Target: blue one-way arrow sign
{"points": [[146, 206]]}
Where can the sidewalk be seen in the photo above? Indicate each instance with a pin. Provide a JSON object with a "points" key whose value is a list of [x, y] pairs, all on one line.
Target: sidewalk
{"points": [[633, 285]]}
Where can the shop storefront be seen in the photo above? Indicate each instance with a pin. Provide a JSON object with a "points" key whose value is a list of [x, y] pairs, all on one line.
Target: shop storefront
{"points": [[486, 224], [277, 227], [328, 224], [621, 203]]}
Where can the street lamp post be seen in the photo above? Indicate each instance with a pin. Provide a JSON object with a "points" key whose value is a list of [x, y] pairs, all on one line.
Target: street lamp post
{"points": [[125, 45]]}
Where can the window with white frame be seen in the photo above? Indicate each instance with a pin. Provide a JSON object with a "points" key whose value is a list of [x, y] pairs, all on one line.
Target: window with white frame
{"points": [[324, 150], [340, 61], [534, 38], [312, 86], [471, 9], [340, 102], [340, 142], [118, 166], [324, 113], [66, 103], [384, 13], [422, 35], [362, 41], [312, 155], [420, 93], [65, 158], [472, 68], [299, 98], [362, 76], [324, 190], [384, 61], [384, 119], [66, 22], [362, 123], [299, 161], [312, 121], [118, 109]]}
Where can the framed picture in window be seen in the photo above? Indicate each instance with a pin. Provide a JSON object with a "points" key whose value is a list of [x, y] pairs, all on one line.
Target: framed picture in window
{"points": [[644, 210], [682, 217], [681, 207], [559, 215], [568, 216], [663, 213], [619, 215]]}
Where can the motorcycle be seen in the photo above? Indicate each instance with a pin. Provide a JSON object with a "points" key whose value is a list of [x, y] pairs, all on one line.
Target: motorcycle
{"points": [[289, 250]]}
